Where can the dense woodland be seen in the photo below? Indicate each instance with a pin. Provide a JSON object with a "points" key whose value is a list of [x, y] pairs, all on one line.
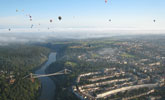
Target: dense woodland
{"points": [[17, 61]]}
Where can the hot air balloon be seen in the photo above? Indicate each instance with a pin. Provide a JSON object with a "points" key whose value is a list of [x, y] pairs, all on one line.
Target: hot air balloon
{"points": [[154, 20], [16, 10], [60, 18], [106, 1], [30, 19], [32, 26], [51, 20], [110, 20], [9, 29]]}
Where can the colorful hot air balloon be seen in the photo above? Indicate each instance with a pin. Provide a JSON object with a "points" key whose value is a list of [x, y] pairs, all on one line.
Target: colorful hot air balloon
{"points": [[106, 1]]}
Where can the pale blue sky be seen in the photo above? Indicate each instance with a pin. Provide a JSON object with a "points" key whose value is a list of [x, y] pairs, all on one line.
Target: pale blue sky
{"points": [[125, 14]]}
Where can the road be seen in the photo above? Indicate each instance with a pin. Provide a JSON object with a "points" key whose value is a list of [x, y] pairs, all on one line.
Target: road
{"points": [[124, 89]]}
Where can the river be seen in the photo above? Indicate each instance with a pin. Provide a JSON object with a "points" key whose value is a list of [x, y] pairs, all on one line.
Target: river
{"points": [[48, 86]]}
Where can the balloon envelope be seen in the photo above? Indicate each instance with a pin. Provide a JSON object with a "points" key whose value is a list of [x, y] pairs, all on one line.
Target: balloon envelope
{"points": [[60, 18]]}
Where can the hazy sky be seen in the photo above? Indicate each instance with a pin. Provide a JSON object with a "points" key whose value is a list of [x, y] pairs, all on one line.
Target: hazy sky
{"points": [[82, 14]]}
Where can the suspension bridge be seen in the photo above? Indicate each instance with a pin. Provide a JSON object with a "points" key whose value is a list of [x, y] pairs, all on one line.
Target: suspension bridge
{"points": [[34, 76]]}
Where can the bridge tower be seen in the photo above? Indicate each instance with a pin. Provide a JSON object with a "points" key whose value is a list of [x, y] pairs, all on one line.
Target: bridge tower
{"points": [[31, 77], [65, 71]]}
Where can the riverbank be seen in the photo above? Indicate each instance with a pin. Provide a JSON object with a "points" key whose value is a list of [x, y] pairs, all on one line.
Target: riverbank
{"points": [[44, 61], [63, 82], [34, 70], [47, 85]]}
